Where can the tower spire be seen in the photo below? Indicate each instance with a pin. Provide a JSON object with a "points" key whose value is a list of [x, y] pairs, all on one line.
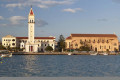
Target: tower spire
{"points": [[31, 11]]}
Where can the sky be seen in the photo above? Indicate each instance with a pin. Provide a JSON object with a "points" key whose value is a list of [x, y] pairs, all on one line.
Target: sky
{"points": [[56, 17]]}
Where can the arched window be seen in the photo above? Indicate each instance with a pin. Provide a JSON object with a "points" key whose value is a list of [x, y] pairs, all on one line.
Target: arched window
{"points": [[32, 21]]}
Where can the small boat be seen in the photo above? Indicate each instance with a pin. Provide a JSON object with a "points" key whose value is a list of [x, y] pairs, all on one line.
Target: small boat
{"points": [[6, 55], [105, 53], [69, 53], [94, 53]]}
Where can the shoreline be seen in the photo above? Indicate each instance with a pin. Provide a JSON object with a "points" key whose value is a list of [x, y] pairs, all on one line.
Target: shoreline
{"points": [[56, 53]]}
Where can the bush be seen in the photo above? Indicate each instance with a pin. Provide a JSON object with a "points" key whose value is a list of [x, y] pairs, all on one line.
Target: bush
{"points": [[49, 48]]}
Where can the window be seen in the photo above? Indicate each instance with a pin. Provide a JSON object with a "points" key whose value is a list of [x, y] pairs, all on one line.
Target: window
{"points": [[107, 41], [4, 44], [41, 44], [38, 44], [45, 44], [100, 47], [48, 44], [109, 47], [52, 44], [13, 39], [4, 39], [13, 44], [32, 21], [94, 41], [91, 47], [85, 40], [98, 41]]}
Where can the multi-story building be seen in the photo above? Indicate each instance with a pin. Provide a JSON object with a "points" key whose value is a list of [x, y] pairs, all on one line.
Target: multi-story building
{"points": [[96, 42], [30, 43], [42, 42]]}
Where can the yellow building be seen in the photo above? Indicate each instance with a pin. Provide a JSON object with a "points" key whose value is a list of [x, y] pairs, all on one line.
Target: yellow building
{"points": [[96, 42]]}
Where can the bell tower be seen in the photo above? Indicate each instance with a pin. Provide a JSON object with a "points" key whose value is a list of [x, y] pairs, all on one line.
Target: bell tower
{"points": [[31, 25]]}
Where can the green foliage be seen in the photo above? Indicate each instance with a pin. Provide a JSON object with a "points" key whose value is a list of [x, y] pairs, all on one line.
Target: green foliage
{"points": [[49, 48], [61, 43], [2, 47], [15, 49], [84, 48]]}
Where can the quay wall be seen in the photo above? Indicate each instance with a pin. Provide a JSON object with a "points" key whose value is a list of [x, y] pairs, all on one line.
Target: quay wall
{"points": [[56, 53]]}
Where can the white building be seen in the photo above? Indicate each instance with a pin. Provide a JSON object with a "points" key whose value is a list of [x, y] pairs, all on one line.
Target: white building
{"points": [[30, 43]]}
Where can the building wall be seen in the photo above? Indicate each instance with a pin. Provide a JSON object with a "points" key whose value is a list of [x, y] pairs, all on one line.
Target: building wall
{"points": [[21, 42], [9, 41], [95, 43]]}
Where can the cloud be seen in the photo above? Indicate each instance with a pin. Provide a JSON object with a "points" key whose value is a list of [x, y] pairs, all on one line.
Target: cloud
{"points": [[72, 10], [102, 19], [42, 6], [21, 21], [41, 23], [39, 3], [1, 18], [14, 5], [16, 19]]}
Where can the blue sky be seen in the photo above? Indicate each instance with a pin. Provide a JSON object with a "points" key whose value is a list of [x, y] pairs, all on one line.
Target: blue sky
{"points": [[55, 17]]}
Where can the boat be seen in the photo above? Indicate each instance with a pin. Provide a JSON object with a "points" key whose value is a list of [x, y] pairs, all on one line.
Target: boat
{"points": [[105, 53], [94, 53], [69, 53], [6, 55]]}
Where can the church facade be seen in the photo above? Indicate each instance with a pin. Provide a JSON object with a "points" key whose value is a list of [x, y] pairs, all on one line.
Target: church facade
{"points": [[30, 43]]}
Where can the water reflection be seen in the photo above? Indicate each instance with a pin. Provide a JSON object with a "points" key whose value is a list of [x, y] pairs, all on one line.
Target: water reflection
{"points": [[30, 63]]}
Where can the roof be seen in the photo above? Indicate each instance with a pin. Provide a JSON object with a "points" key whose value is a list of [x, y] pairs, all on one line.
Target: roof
{"points": [[31, 12], [36, 37], [93, 35], [68, 37], [8, 36]]}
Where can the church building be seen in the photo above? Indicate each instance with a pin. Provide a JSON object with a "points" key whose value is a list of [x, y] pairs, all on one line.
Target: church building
{"points": [[30, 43]]}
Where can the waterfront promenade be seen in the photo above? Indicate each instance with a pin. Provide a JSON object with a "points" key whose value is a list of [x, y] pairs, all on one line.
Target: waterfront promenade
{"points": [[56, 53]]}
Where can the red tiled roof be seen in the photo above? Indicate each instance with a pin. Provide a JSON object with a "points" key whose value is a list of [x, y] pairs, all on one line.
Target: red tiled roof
{"points": [[93, 35], [68, 37], [22, 37], [36, 37], [44, 38], [31, 12]]}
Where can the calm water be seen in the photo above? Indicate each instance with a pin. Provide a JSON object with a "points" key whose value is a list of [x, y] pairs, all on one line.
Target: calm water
{"points": [[60, 66]]}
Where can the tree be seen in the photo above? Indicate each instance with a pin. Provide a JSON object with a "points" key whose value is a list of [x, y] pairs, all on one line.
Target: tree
{"points": [[2, 47], [84, 46], [49, 48], [61, 43]]}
